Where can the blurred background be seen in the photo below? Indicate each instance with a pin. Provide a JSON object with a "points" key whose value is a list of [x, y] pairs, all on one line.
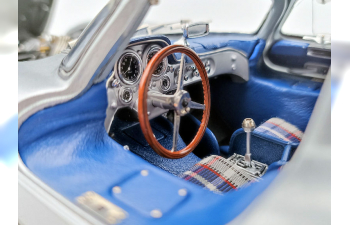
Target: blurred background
{"points": [[8, 112]]}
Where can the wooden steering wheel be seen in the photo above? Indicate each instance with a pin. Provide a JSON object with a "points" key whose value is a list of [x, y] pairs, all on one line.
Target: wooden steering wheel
{"points": [[180, 102]]}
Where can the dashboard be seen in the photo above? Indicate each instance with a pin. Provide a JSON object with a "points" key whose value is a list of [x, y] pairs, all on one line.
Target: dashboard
{"points": [[123, 84]]}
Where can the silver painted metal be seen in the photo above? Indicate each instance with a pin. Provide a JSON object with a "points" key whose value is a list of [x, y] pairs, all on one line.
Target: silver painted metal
{"points": [[193, 30], [257, 170], [248, 126], [46, 87], [177, 119], [219, 61]]}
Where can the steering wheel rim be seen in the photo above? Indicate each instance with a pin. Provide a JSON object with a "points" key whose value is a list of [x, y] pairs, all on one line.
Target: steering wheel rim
{"points": [[143, 95]]}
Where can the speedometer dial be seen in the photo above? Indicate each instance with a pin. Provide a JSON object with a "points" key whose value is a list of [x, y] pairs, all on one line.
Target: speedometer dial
{"points": [[129, 67], [160, 70]]}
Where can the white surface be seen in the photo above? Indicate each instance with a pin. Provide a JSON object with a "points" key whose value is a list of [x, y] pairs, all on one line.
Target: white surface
{"points": [[303, 21], [241, 16], [68, 14]]}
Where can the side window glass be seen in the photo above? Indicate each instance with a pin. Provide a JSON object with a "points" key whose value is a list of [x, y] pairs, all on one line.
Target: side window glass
{"points": [[310, 20]]}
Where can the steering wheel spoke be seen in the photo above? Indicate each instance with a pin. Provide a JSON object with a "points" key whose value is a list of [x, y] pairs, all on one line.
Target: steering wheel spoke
{"points": [[180, 81], [196, 105], [177, 119]]}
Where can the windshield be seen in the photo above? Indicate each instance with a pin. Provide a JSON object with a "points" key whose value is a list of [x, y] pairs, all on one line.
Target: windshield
{"points": [[224, 16]]}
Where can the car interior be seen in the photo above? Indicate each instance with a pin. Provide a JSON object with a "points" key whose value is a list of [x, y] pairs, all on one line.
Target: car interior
{"points": [[188, 126]]}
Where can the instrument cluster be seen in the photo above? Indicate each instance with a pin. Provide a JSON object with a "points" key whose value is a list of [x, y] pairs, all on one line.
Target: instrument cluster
{"points": [[132, 63]]}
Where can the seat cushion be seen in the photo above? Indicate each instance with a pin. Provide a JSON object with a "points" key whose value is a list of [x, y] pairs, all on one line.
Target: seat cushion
{"points": [[280, 129], [218, 174]]}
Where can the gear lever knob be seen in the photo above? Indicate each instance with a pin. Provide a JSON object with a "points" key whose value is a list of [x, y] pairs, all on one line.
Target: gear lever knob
{"points": [[248, 126]]}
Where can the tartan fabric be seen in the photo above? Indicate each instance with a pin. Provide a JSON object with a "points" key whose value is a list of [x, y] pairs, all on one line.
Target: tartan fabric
{"points": [[280, 129], [218, 175]]}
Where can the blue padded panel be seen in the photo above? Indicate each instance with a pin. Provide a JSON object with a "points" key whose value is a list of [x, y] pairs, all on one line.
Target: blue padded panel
{"points": [[213, 42], [262, 150], [293, 54], [243, 43], [264, 96], [149, 197]]}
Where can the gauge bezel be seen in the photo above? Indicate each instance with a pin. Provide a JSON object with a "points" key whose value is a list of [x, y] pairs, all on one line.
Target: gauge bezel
{"points": [[121, 93], [118, 67], [162, 88], [150, 49]]}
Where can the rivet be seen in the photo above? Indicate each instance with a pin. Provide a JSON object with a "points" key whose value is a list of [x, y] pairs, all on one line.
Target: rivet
{"points": [[234, 57], [117, 190], [182, 192], [233, 67], [148, 113], [126, 147], [144, 173], [156, 213]]}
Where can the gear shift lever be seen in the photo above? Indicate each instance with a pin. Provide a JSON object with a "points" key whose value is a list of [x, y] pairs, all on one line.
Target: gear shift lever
{"points": [[248, 126], [246, 163]]}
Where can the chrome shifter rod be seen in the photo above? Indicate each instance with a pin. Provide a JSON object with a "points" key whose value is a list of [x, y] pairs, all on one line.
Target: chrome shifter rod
{"points": [[248, 126]]}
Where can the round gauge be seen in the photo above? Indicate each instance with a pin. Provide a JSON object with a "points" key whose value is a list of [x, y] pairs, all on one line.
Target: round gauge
{"points": [[160, 70], [129, 67], [165, 83]]}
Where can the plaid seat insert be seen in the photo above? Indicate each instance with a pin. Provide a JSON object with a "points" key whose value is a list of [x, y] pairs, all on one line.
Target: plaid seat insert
{"points": [[280, 129], [218, 175]]}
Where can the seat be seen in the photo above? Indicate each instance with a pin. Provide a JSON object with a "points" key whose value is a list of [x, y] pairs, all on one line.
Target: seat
{"points": [[221, 175]]}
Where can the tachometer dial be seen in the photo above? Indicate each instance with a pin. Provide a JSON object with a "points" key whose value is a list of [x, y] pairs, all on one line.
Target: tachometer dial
{"points": [[129, 67], [160, 70]]}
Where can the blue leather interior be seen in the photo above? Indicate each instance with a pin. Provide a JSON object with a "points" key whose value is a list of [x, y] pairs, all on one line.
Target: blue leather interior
{"points": [[293, 54], [265, 149], [264, 96], [67, 147], [131, 135]]}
